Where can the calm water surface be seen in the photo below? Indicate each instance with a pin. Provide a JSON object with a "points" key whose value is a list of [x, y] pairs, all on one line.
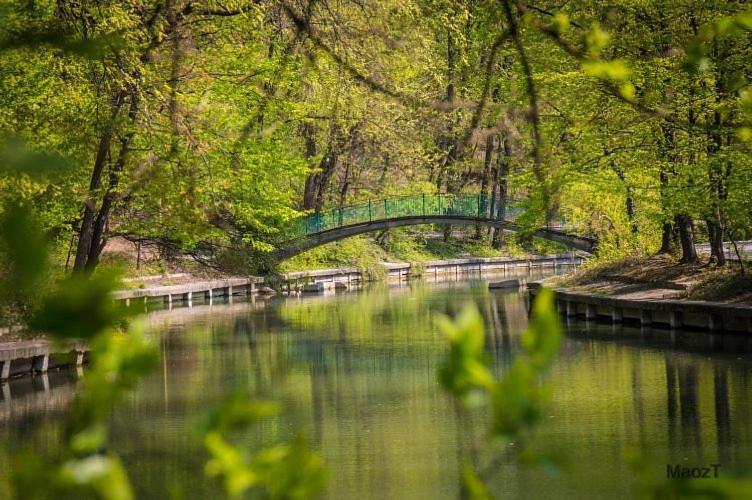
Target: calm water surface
{"points": [[357, 373]]}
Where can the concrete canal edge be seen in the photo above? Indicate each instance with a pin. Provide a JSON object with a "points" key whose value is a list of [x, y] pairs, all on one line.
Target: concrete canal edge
{"points": [[666, 313], [19, 357], [207, 290]]}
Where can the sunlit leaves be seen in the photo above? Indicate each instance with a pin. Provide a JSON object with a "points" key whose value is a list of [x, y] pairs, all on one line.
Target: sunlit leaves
{"points": [[596, 40], [91, 48], [727, 25], [560, 23], [745, 101], [615, 70], [696, 51]]}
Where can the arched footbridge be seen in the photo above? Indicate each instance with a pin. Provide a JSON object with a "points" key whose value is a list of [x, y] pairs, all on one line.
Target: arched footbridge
{"points": [[455, 209]]}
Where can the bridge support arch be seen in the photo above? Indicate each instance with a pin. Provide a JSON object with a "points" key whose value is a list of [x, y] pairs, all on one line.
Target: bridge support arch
{"points": [[303, 243]]}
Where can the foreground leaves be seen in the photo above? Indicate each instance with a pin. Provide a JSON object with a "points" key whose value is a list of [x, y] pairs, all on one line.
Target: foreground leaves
{"points": [[288, 471], [518, 397]]}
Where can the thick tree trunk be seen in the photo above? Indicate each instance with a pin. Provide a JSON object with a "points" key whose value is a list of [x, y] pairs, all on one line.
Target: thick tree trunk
{"points": [[715, 238], [717, 175], [98, 239], [668, 151], [85, 233], [686, 238], [667, 238], [96, 229], [328, 167]]}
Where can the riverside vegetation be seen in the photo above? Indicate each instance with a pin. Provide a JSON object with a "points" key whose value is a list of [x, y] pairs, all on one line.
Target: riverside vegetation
{"points": [[200, 129], [83, 465]]}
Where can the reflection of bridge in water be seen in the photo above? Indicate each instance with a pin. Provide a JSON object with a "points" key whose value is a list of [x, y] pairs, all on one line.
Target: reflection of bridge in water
{"points": [[454, 209]]}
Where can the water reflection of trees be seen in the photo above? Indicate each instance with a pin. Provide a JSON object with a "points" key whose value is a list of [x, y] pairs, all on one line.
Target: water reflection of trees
{"points": [[699, 408], [368, 398]]}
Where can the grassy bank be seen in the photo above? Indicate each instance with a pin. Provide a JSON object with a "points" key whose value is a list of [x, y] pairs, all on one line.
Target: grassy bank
{"points": [[365, 252], [413, 245], [661, 276]]}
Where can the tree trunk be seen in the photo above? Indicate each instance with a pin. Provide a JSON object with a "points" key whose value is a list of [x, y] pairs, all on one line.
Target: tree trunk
{"points": [[717, 175], [87, 222], [485, 181], [667, 238], [502, 180], [629, 204], [96, 238], [309, 191], [630, 207], [328, 167], [345, 184], [715, 238], [451, 141], [686, 238]]}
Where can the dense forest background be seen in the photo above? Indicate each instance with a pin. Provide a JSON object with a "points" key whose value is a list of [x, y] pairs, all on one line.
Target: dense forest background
{"points": [[203, 127], [197, 131]]}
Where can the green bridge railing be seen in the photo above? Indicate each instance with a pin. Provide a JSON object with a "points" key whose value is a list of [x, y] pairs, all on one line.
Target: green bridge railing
{"points": [[442, 204]]}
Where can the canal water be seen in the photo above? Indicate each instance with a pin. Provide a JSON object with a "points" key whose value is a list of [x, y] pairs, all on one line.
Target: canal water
{"points": [[357, 373]]}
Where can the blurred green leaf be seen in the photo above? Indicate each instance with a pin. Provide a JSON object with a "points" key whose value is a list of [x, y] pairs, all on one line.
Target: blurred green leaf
{"points": [[236, 411], [90, 439], [596, 39], [81, 307], [17, 157], [227, 462], [119, 361], [519, 397], [102, 474], [472, 486], [615, 70], [24, 250], [90, 48], [543, 337], [289, 471], [560, 23], [744, 20], [466, 367]]}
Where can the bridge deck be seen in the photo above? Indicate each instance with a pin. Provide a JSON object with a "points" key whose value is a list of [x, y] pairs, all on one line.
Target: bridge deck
{"points": [[463, 209]]}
